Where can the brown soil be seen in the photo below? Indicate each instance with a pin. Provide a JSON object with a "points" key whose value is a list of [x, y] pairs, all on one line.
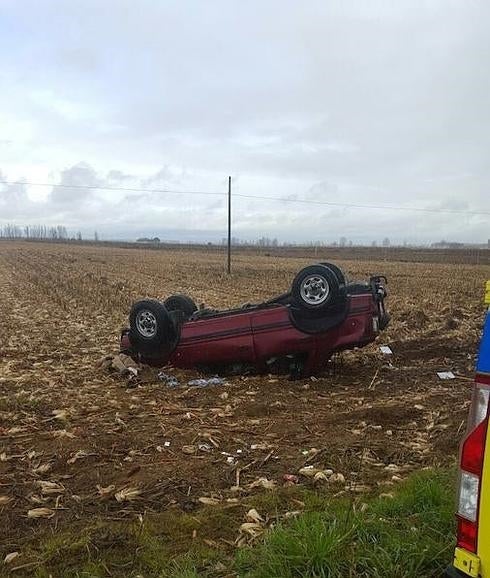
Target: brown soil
{"points": [[64, 419]]}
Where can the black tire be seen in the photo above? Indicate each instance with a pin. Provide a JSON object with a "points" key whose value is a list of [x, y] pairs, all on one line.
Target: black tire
{"points": [[315, 288], [181, 303], [337, 271], [152, 331]]}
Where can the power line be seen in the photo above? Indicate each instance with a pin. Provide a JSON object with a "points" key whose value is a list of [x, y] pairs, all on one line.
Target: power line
{"points": [[360, 206], [106, 188], [257, 197]]}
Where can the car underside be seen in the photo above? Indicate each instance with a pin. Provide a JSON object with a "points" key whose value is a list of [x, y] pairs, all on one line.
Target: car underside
{"points": [[296, 332]]}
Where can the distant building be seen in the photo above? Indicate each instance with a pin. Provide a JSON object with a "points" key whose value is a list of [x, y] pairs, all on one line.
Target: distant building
{"points": [[147, 240], [447, 245]]}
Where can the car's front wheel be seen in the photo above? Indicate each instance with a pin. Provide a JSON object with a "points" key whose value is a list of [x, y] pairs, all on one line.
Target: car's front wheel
{"points": [[152, 331], [315, 288], [337, 272]]}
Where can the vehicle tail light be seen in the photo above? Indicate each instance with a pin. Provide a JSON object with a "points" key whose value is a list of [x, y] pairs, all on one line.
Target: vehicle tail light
{"points": [[479, 402], [471, 466]]}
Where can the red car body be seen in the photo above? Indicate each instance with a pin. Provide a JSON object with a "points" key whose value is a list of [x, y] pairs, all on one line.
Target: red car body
{"points": [[257, 335]]}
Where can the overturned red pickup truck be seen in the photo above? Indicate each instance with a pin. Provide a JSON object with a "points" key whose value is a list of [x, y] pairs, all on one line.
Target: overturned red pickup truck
{"points": [[296, 332]]}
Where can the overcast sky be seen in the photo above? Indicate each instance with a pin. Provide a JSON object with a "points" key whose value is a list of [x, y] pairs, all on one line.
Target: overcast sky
{"points": [[367, 102]]}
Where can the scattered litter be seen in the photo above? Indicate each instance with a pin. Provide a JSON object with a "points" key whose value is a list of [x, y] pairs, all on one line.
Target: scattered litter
{"points": [[40, 513], [166, 444], [127, 494], [124, 365], [209, 501], [204, 447], [292, 514], [107, 491], [42, 469], [360, 488], [62, 433], [290, 478], [60, 414], [253, 516], [10, 557], [48, 488], [308, 471], [337, 478], [320, 477], [263, 483], [445, 375], [311, 453], [387, 495], [209, 437], [168, 379], [252, 528], [206, 381], [318, 474], [79, 455], [261, 446], [386, 350]]}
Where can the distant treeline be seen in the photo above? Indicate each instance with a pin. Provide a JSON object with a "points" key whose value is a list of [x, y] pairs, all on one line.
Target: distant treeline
{"points": [[60, 233], [38, 232]]}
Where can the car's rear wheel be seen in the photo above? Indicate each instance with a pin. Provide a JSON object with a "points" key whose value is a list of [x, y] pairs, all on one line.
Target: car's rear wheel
{"points": [[182, 303], [315, 288], [152, 331]]}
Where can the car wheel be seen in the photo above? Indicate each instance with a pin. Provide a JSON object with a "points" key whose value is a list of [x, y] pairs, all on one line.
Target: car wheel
{"points": [[181, 303], [152, 331], [315, 287], [337, 271]]}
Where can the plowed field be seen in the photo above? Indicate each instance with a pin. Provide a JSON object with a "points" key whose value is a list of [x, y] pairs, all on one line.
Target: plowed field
{"points": [[80, 443]]}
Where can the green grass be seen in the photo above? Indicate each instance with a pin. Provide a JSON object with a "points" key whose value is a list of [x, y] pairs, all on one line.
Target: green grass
{"points": [[409, 535]]}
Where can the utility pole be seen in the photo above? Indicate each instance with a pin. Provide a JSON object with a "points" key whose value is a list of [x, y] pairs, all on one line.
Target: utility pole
{"points": [[229, 226]]}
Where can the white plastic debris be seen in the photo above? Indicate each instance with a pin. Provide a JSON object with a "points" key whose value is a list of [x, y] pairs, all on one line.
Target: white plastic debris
{"points": [[205, 382], [446, 375], [386, 350], [168, 379]]}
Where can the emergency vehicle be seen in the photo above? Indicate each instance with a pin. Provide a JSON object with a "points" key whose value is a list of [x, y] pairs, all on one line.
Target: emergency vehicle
{"points": [[472, 553]]}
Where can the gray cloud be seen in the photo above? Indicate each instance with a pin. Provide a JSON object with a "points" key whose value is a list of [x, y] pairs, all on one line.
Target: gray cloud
{"points": [[367, 103], [80, 175]]}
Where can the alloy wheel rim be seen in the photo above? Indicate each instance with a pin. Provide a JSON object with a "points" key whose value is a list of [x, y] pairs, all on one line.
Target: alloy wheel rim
{"points": [[314, 289], [146, 323]]}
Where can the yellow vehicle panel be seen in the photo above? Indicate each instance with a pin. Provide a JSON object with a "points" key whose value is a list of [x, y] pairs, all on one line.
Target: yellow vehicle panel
{"points": [[467, 562], [484, 515]]}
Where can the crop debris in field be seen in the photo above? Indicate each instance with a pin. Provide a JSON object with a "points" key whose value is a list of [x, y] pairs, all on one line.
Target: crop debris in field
{"points": [[73, 441]]}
